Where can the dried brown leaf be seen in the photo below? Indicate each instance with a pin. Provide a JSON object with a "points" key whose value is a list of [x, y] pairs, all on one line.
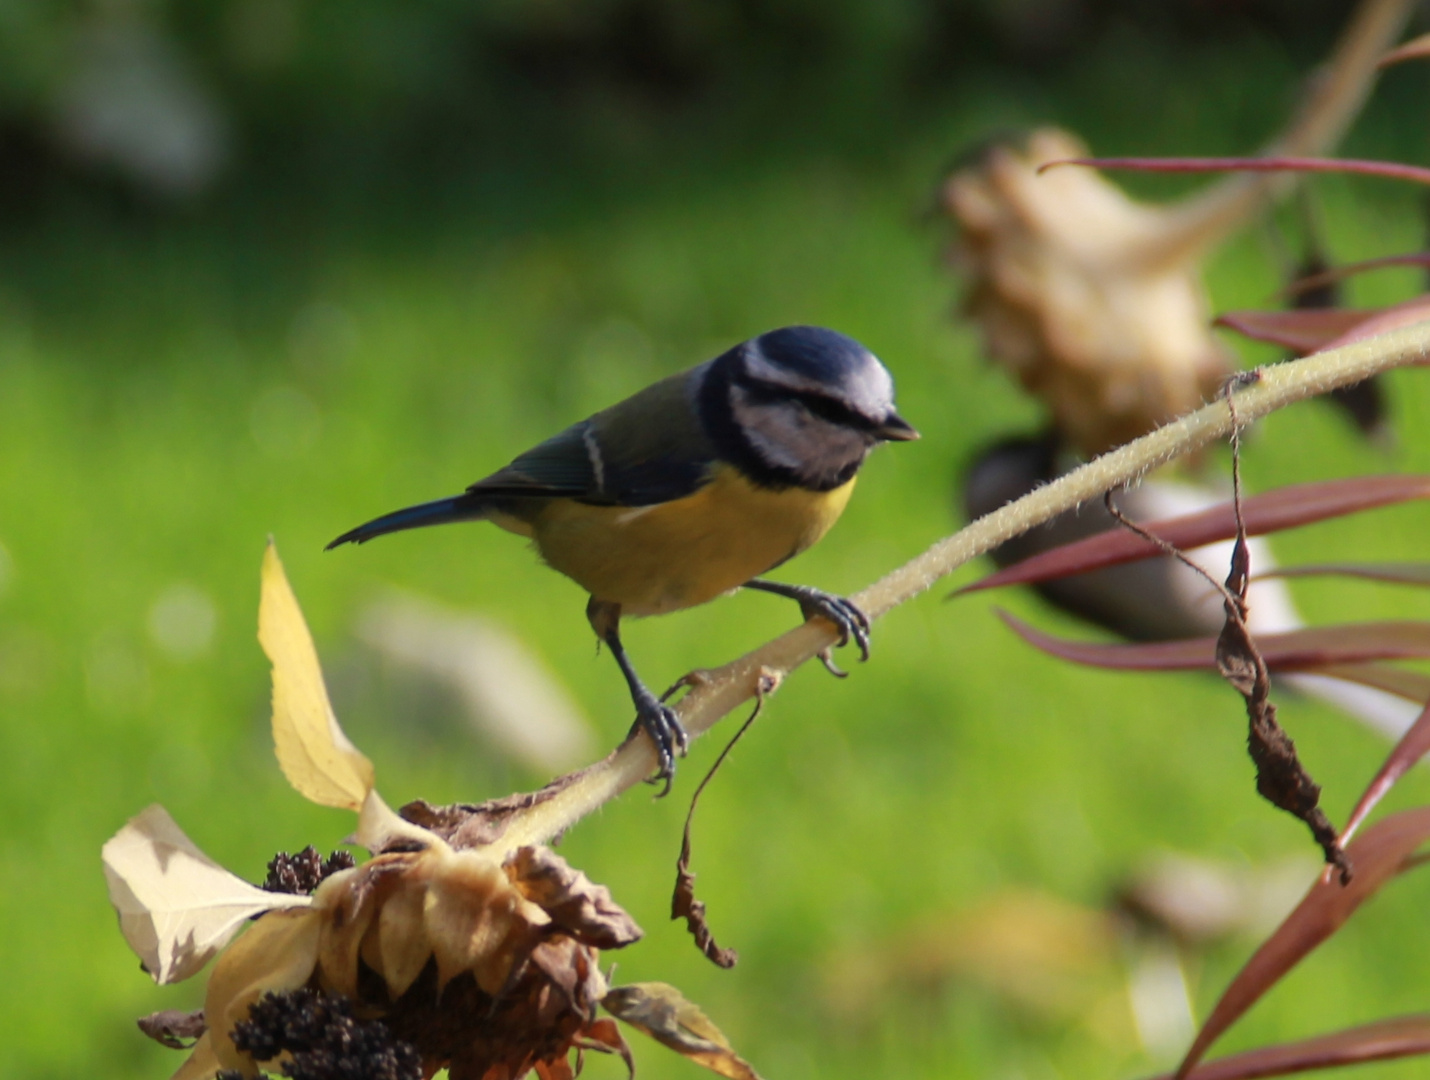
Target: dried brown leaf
{"points": [[1284, 508], [683, 904], [575, 903], [177, 907], [316, 757], [1381, 853], [174, 1027], [663, 1013]]}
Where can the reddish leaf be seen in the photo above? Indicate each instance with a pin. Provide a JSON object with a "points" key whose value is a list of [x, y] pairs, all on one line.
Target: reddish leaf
{"points": [[1388, 170], [1395, 573], [1381, 853], [1284, 508], [1311, 649], [1384, 1040], [1333, 274], [1410, 685], [1413, 746], [1414, 49], [1406, 313], [1305, 331]]}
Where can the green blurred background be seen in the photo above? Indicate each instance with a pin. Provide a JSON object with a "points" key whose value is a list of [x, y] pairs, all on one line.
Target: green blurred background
{"points": [[272, 268]]}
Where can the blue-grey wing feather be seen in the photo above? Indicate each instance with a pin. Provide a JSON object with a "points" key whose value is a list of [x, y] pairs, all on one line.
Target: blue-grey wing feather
{"points": [[645, 450]]}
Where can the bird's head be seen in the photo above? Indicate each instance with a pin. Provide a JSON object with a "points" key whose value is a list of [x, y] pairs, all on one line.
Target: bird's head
{"points": [[805, 404]]}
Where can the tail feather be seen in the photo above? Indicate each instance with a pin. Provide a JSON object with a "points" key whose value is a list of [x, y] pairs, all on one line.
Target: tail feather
{"points": [[465, 507]]}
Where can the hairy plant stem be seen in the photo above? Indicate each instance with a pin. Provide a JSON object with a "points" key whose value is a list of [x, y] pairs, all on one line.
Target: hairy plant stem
{"points": [[719, 691]]}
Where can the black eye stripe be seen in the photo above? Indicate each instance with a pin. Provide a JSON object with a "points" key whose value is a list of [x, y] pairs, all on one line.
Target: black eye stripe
{"points": [[826, 408]]}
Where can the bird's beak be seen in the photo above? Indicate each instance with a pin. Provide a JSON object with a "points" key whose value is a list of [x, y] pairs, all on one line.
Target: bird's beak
{"points": [[896, 429]]}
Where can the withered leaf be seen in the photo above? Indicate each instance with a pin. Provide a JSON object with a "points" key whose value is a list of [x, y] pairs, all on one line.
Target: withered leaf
{"points": [[174, 1027], [316, 757], [683, 904], [177, 907], [575, 903], [1379, 854], [663, 1013]]}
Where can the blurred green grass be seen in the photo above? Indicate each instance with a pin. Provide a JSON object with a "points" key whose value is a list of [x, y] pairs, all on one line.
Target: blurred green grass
{"points": [[169, 396]]}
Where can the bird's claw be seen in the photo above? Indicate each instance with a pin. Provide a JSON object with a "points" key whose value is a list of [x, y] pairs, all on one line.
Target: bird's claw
{"points": [[844, 614], [660, 723]]}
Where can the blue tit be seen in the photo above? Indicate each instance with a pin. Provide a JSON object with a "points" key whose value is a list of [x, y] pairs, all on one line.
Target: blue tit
{"points": [[692, 488]]}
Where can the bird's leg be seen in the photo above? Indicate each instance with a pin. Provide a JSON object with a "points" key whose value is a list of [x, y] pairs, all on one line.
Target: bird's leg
{"points": [[816, 603], [653, 717]]}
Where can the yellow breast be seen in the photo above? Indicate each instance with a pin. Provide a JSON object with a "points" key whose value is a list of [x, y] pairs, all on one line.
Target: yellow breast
{"points": [[673, 555]]}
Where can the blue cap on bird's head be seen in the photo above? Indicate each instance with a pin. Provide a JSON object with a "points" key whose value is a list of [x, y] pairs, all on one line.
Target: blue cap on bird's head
{"points": [[814, 360]]}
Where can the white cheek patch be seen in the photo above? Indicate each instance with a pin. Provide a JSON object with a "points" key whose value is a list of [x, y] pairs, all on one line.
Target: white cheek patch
{"points": [[788, 435]]}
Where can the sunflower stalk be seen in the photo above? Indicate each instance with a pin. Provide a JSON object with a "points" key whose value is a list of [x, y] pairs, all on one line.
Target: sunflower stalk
{"points": [[719, 691]]}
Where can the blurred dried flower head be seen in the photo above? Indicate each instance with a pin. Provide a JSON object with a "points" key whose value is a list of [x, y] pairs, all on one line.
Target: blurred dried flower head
{"points": [[448, 949], [1091, 300], [1094, 301]]}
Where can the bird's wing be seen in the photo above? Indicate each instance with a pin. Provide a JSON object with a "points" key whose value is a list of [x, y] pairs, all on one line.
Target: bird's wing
{"points": [[648, 449]]}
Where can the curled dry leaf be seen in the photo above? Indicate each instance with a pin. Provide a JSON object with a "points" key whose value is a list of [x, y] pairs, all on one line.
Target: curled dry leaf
{"points": [[316, 757], [1284, 508], [174, 1028], [574, 902], [1281, 779], [683, 904], [1382, 852], [663, 1013], [177, 907]]}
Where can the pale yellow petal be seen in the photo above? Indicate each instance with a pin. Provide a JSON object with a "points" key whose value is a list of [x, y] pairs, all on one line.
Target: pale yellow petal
{"points": [[379, 825], [312, 750], [201, 1064], [403, 947], [277, 953], [177, 907], [476, 920]]}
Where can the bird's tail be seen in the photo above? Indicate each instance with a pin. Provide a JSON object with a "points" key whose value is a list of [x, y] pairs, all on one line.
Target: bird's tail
{"points": [[465, 507]]}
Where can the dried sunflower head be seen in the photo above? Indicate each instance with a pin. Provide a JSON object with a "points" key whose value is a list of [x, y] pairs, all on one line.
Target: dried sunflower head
{"points": [[1091, 300]]}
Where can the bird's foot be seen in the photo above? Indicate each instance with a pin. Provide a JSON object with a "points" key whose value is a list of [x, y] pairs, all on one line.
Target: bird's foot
{"points": [[847, 617], [660, 723]]}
